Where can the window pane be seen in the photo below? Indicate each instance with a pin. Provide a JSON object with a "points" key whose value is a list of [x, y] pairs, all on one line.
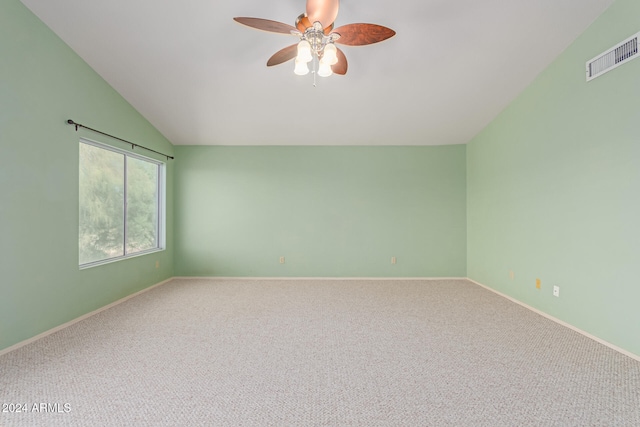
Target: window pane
{"points": [[142, 205], [101, 204]]}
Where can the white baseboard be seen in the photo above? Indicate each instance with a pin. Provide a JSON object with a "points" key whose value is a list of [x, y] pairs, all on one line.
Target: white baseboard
{"points": [[314, 278], [561, 322], [78, 319]]}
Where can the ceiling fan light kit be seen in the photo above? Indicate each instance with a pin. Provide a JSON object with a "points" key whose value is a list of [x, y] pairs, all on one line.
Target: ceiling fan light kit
{"points": [[318, 39], [315, 46]]}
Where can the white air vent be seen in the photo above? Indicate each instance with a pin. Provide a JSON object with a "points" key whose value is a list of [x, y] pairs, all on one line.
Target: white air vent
{"points": [[614, 57]]}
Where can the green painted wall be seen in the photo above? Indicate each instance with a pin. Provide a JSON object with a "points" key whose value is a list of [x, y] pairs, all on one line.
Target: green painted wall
{"points": [[554, 190], [330, 211], [43, 83]]}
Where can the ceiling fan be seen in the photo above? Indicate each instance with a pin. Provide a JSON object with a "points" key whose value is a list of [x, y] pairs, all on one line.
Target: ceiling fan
{"points": [[318, 38]]}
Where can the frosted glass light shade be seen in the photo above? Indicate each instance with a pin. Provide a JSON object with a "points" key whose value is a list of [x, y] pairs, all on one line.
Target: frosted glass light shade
{"points": [[304, 51], [301, 68], [330, 54], [324, 69]]}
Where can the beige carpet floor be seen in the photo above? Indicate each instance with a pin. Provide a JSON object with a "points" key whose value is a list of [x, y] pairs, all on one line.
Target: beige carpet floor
{"points": [[318, 353]]}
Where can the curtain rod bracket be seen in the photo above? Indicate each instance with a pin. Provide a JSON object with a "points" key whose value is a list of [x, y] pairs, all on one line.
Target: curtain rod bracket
{"points": [[71, 122]]}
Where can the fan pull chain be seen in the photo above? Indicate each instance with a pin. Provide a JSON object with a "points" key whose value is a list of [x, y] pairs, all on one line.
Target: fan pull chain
{"points": [[315, 59]]}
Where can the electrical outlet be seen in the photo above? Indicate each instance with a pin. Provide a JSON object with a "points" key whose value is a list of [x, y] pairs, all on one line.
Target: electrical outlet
{"points": [[281, 260], [393, 260], [157, 264], [556, 291], [538, 284], [511, 275]]}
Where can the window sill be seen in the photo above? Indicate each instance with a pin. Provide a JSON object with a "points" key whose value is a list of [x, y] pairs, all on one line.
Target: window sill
{"points": [[120, 258]]}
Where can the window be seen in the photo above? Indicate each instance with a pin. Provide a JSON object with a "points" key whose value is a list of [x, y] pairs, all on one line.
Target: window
{"points": [[121, 204]]}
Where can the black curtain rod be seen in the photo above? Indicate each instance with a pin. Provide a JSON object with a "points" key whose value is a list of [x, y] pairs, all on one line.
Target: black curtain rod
{"points": [[78, 125]]}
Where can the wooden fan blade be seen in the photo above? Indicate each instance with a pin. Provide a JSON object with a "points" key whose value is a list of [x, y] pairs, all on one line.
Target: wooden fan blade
{"points": [[283, 55], [363, 34], [340, 67], [324, 11], [266, 25], [328, 30], [302, 23]]}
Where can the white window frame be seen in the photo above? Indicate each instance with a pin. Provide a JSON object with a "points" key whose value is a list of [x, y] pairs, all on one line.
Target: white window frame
{"points": [[161, 205]]}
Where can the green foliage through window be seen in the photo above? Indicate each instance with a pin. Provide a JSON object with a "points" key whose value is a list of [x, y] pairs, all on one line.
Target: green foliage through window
{"points": [[119, 204]]}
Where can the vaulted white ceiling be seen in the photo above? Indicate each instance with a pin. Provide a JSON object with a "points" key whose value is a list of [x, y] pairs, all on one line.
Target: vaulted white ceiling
{"points": [[201, 78]]}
